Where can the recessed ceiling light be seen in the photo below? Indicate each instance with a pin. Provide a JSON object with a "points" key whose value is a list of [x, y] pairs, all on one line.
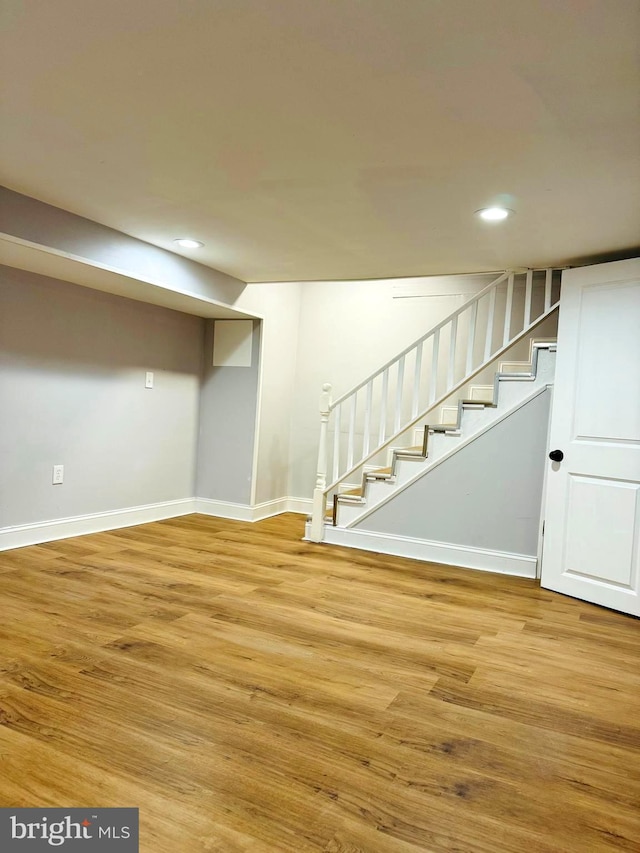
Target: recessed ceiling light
{"points": [[494, 214], [186, 243]]}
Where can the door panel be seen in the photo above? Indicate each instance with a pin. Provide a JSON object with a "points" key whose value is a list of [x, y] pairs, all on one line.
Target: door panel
{"points": [[609, 349], [592, 509], [594, 504]]}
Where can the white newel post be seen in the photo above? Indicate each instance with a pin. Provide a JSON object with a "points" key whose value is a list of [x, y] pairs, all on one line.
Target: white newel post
{"points": [[319, 500]]}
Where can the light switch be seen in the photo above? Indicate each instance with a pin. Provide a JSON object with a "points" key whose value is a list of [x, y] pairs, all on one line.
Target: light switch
{"points": [[148, 381]]}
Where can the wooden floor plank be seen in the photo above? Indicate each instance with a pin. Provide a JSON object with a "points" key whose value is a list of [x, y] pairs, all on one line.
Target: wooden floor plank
{"points": [[249, 691]]}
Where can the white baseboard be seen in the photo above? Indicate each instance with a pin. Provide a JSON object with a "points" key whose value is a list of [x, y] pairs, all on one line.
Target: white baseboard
{"points": [[245, 512], [502, 562], [21, 535], [63, 528], [269, 508], [223, 509], [300, 505]]}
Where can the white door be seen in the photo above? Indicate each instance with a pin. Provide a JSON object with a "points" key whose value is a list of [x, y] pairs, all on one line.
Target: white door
{"points": [[592, 508]]}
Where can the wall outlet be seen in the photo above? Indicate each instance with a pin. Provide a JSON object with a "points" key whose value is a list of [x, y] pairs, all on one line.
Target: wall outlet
{"points": [[148, 379], [58, 475]]}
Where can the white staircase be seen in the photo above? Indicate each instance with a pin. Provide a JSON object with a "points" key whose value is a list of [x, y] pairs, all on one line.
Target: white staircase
{"points": [[453, 428], [407, 414]]}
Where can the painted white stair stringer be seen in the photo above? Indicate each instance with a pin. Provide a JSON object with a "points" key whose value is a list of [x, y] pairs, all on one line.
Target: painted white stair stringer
{"points": [[510, 392], [426, 469]]}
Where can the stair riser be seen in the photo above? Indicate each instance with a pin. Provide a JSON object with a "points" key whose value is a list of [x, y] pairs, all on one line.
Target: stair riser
{"points": [[512, 392], [348, 513], [473, 419], [441, 443]]}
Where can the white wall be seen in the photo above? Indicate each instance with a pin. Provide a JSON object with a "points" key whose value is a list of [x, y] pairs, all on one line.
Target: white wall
{"points": [[279, 304], [72, 375]]}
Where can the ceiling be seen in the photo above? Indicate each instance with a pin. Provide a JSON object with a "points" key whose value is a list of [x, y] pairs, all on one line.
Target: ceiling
{"points": [[302, 139]]}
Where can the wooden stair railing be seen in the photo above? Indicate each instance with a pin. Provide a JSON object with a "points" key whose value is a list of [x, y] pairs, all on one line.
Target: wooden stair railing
{"points": [[377, 411]]}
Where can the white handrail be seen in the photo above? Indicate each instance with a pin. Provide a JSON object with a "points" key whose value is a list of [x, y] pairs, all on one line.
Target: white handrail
{"points": [[433, 329]]}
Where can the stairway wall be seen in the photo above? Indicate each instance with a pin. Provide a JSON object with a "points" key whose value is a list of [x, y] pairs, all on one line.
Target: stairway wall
{"points": [[486, 496]]}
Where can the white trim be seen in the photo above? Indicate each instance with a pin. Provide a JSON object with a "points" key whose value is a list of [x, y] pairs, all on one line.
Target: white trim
{"points": [[451, 285], [503, 562], [268, 509], [21, 535], [303, 506], [543, 500], [258, 417], [368, 469], [618, 271], [244, 512], [80, 525], [427, 468], [223, 509]]}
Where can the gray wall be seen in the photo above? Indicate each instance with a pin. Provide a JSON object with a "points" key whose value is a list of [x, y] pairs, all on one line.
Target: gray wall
{"points": [[488, 495], [227, 425], [72, 371], [33, 220]]}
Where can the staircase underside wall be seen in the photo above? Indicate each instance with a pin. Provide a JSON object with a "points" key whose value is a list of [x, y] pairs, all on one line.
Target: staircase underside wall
{"points": [[486, 497]]}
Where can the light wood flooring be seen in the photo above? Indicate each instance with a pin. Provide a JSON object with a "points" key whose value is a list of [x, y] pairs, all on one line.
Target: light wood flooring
{"points": [[252, 692]]}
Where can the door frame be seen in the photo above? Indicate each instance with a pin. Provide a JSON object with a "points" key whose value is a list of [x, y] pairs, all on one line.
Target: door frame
{"points": [[543, 502]]}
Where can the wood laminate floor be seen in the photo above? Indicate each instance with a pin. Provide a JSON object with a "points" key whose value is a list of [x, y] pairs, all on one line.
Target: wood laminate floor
{"points": [[252, 692]]}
